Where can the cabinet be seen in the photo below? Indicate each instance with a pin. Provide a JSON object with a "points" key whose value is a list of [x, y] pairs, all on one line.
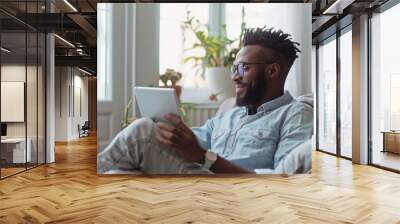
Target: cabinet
{"points": [[391, 141]]}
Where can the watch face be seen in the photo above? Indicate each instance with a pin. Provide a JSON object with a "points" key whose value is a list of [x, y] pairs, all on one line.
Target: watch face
{"points": [[211, 156]]}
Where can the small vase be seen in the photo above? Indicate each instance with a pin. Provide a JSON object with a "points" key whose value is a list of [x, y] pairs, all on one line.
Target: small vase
{"points": [[219, 82]]}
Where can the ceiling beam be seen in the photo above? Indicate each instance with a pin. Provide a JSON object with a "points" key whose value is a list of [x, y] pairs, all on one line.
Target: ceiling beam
{"points": [[83, 61], [337, 7], [84, 24]]}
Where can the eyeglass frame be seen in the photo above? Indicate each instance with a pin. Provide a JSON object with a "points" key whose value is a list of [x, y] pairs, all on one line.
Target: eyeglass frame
{"points": [[235, 68]]}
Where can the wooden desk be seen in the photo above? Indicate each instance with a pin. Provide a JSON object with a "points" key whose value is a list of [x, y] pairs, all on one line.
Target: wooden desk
{"points": [[391, 141]]}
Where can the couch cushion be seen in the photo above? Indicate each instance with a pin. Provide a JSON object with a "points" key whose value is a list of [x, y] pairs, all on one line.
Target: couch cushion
{"points": [[297, 161]]}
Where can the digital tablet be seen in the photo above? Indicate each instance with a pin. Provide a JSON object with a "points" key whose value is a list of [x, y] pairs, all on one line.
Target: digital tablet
{"points": [[156, 102]]}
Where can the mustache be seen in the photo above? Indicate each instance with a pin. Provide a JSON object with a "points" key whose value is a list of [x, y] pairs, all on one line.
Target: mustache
{"points": [[242, 83]]}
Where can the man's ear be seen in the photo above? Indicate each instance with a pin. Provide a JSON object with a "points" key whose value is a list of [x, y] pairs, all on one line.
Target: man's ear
{"points": [[273, 70]]}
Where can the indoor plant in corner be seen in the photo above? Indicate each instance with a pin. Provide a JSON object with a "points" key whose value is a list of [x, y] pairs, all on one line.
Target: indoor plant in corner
{"points": [[218, 57]]}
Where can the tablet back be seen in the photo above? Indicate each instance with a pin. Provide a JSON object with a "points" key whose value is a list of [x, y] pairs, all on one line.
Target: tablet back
{"points": [[156, 102]]}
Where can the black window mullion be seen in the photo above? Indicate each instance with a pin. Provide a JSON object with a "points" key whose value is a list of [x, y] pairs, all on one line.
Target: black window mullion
{"points": [[338, 73], [369, 88], [317, 96], [37, 90], [26, 87]]}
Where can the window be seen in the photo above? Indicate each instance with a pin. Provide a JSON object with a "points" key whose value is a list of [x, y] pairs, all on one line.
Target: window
{"points": [[174, 40], [385, 88], [394, 101], [104, 38], [327, 96], [346, 94], [254, 14]]}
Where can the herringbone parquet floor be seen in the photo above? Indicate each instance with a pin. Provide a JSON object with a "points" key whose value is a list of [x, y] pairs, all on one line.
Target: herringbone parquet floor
{"points": [[70, 191]]}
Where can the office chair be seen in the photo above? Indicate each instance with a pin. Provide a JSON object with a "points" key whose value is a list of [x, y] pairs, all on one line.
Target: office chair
{"points": [[84, 130]]}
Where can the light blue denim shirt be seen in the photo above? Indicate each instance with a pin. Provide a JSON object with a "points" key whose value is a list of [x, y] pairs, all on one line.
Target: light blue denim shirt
{"points": [[261, 140]]}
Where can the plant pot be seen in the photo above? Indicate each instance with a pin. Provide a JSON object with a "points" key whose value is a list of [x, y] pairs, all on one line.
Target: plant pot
{"points": [[219, 82]]}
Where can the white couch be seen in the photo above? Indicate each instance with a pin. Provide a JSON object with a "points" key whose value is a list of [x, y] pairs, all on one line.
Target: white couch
{"points": [[297, 161]]}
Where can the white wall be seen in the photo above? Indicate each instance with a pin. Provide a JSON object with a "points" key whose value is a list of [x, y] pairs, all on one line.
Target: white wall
{"points": [[33, 126], [67, 117], [148, 23], [12, 73], [295, 19], [61, 103]]}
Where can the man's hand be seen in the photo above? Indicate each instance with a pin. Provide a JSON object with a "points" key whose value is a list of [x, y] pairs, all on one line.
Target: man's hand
{"points": [[179, 136]]}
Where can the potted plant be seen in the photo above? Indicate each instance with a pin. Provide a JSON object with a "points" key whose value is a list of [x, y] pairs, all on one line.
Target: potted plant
{"points": [[219, 54]]}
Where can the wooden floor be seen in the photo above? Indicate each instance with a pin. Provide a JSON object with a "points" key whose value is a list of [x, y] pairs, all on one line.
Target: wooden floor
{"points": [[70, 191], [10, 171], [387, 159]]}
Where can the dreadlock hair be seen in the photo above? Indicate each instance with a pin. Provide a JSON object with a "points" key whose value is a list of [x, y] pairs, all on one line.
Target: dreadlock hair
{"points": [[278, 41]]}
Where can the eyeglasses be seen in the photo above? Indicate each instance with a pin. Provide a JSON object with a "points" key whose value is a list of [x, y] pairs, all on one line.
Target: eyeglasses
{"points": [[241, 67]]}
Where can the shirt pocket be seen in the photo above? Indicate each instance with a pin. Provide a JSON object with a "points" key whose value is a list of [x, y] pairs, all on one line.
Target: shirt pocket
{"points": [[251, 141]]}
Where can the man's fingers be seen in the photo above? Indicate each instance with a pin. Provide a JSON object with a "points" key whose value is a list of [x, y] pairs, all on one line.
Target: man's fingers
{"points": [[163, 140], [174, 119], [166, 126], [178, 130], [169, 136], [177, 121]]}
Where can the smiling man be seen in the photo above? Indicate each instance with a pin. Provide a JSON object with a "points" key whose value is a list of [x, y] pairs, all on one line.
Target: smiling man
{"points": [[266, 125]]}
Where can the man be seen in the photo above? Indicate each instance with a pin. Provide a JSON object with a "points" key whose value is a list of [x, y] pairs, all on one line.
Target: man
{"points": [[265, 126]]}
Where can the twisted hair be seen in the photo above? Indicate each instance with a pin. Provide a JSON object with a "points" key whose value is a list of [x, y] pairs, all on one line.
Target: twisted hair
{"points": [[276, 40]]}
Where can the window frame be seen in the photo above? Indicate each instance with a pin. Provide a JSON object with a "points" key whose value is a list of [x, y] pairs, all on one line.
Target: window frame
{"points": [[379, 10], [333, 37], [108, 88]]}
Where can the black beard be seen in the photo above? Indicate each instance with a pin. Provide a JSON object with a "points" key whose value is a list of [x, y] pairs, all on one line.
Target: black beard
{"points": [[254, 92]]}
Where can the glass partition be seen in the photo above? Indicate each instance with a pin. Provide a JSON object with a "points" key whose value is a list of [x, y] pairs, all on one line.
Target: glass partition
{"points": [[22, 78], [327, 96], [31, 99], [13, 105], [41, 96]]}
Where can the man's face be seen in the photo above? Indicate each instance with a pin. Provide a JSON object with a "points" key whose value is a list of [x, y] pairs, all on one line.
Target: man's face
{"points": [[251, 87]]}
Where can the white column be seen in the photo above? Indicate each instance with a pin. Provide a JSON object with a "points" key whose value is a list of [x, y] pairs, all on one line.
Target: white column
{"points": [[50, 99], [360, 90], [294, 19], [62, 97], [314, 90]]}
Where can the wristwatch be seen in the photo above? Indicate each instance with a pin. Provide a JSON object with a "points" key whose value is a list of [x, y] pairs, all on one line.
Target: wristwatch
{"points": [[209, 159]]}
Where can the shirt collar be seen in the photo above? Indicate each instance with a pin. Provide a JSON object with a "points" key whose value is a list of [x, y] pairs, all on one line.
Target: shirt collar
{"points": [[286, 98]]}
